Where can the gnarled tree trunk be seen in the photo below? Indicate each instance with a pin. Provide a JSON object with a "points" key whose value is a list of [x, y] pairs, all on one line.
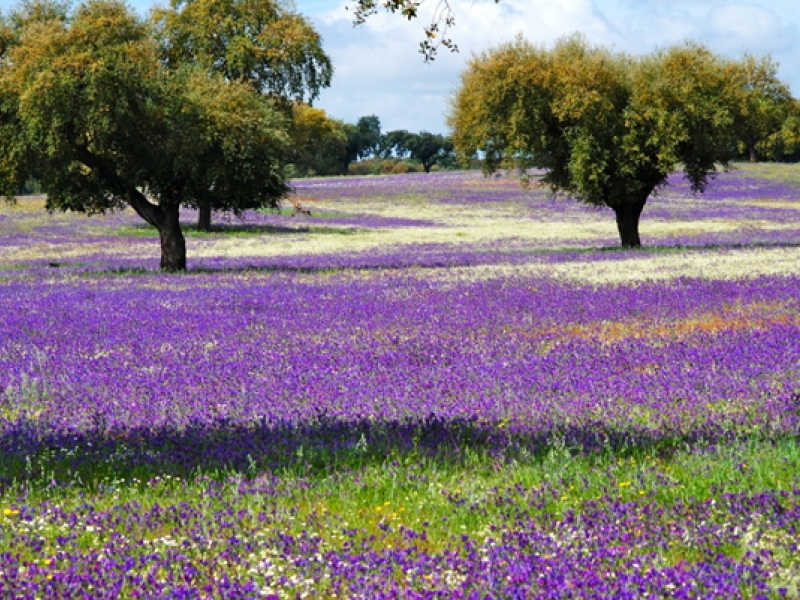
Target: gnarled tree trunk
{"points": [[167, 220], [628, 215], [173, 244], [204, 217]]}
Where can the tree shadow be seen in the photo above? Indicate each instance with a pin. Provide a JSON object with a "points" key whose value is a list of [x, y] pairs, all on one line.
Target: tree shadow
{"points": [[617, 251], [31, 453], [719, 246], [443, 256]]}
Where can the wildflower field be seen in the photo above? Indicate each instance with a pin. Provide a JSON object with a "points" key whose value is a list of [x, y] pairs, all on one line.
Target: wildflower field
{"points": [[435, 386]]}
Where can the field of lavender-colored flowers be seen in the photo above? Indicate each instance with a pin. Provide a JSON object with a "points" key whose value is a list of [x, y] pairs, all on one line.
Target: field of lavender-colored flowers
{"points": [[436, 386]]}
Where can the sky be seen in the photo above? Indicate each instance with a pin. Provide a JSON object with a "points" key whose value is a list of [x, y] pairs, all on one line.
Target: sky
{"points": [[378, 68]]}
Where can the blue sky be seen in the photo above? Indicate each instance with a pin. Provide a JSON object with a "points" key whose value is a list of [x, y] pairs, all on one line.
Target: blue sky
{"points": [[379, 71]]}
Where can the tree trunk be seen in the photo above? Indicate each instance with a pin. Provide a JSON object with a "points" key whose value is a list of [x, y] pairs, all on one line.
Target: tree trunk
{"points": [[167, 220], [628, 223], [204, 218], [164, 218], [173, 244], [751, 149]]}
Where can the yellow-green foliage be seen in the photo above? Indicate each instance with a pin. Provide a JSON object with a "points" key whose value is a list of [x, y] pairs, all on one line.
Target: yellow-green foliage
{"points": [[608, 127], [90, 109], [768, 128], [319, 143], [261, 42]]}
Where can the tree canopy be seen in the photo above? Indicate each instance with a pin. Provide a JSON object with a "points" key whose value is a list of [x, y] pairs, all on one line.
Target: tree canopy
{"points": [[607, 128], [87, 103], [428, 148], [263, 43], [363, 138]]}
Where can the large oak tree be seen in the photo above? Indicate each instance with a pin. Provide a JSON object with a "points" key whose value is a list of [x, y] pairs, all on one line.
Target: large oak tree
{"points": [[607, 128], [87, 105]]}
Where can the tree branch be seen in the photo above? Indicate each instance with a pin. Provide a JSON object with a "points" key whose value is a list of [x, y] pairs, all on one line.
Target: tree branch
{"points": [[148, 211], [435, 32]]}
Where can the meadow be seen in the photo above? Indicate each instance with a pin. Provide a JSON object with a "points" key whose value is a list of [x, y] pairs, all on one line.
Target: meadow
{"points": [[435, 386]]}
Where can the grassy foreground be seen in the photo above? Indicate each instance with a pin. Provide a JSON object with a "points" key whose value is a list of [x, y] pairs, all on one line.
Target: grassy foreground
{"points": [[433, 526], [676, 512]]}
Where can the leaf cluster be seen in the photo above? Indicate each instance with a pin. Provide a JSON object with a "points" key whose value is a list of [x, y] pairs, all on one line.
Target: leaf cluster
{"points": [[363, 138], [74, 88], [261, 42], [766, 127], [319, 143], [224, 146]]}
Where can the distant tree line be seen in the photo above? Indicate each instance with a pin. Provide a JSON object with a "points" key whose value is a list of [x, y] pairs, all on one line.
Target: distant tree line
{"points": [[326, 146]]}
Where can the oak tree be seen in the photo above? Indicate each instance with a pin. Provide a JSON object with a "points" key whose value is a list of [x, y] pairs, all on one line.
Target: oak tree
{"points": [[392, 144], [363, 139], [87, 104], [608, 128], [428, 148]]}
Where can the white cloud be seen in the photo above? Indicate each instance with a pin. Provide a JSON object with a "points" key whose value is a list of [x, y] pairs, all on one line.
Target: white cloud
{"points": [[757, 29]]}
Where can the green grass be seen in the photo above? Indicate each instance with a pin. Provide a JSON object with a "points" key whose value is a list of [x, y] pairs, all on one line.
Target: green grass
{"points": [[371, 503], [443, 496], [315, 214], [769, 170]]}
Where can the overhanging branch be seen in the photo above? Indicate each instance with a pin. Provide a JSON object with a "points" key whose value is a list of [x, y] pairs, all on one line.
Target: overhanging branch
{"points": [[435, 33]]}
